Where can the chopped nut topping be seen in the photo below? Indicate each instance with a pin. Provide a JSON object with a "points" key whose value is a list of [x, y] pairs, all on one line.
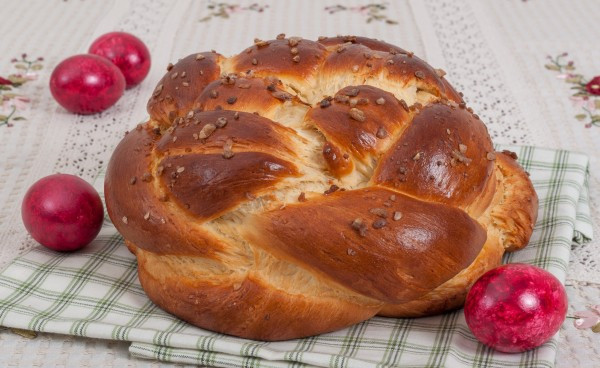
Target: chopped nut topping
{"points": [[260, 43], [293, 41], [358, 225], [183, 74], [221, 122], [353, 92], [185, 84], [200, 57], [133, 180], [351, 252], [296, 59], [190, 114], [380, 101], [379, 223], [448, 131], [124, 219], [419, 74], [180, 169], [440, 72], [357, 114], [147, 216], [363, 101], [195, 136], [341, 98], [231, 100], [169, 67], [340, 48], [393, 198], [174, 75], [355, 69], [389, 61], [417, 156], [174, 139], [460, 157], [397, 215], [294, 50], [325, 103], [254, 61], [158, 90], [214, 93], [227, 152], [206, 131], [302, 197], [236, 116], [491, 156], [282, 96], [333, 188], [381, 212], [381, 133], [462, 148], [353, 102], [462, 105], [280, 36]]}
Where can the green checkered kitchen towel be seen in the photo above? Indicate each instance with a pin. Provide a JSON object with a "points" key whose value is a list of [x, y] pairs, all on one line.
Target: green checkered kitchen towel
{"points": [[95, 293]]}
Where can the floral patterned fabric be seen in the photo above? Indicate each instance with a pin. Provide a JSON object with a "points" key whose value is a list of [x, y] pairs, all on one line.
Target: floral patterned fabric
{"points": [[493, 51], [14, 103]]}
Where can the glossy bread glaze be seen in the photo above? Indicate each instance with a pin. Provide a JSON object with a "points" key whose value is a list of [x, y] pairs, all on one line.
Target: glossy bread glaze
{"points": [[303, 186]]}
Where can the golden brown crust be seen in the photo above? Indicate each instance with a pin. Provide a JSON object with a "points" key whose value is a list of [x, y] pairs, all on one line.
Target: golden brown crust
{"points": [[207, 185], [131, 196], [348, 232], [361, 120], [370, 56], [443, 156], [247, 131], [247, 306], [517, 214], [175, 93], [300, 187], [513, 204], [292, 60], [450, 295]]}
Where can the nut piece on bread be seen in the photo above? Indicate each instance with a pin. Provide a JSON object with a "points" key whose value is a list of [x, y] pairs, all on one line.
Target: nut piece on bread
{"points": [[301, 186]]}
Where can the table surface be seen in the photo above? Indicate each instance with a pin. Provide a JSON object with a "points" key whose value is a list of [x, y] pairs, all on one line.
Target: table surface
{"points": [[496, 52]]}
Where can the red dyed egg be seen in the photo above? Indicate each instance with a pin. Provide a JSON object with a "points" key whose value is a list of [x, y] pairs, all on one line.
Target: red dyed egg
{"points": [[515, 307], [62, 212], [86, 84], [127, 52]]}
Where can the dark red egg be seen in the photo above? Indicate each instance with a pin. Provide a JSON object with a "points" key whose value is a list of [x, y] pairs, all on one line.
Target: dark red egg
{"points": [[62, 212], [127, 52], [86, 84], [515, 307]]}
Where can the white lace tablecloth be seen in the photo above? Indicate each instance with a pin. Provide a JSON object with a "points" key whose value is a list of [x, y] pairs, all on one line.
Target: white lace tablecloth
{"points": [[494, 51]]}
